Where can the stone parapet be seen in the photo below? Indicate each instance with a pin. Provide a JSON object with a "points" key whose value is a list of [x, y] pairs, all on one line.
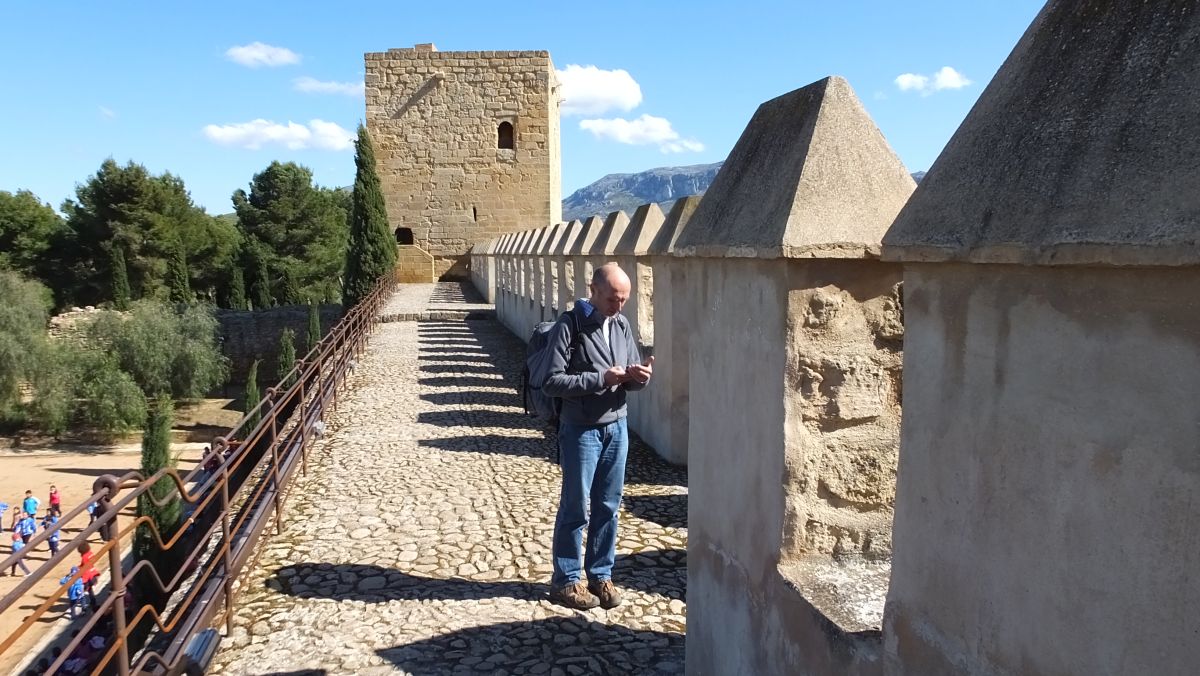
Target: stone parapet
{"points": [[414, 265]]}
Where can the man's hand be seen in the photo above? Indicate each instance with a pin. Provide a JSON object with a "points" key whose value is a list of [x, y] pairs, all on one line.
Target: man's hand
{"points": [[615, 376], [640, 373]]}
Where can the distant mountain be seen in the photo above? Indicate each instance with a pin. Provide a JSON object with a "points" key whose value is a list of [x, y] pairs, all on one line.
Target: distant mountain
{"points": [[629, 191]]}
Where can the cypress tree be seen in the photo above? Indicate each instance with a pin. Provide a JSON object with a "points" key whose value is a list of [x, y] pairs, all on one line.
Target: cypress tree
{"points": [[237, 289], [156, 455], [261, 287], [177, 275], [287, 356], [252, 396], [314, 326], [371, 252], [120, 278], [289, 293]]}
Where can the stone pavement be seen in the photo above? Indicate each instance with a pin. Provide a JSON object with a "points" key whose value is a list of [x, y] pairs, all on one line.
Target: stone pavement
{"points": [[419, 542]]}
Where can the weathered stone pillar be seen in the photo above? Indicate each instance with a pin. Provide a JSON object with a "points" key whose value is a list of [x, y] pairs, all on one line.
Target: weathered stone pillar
{"points": [[1049, 471], [794, 365], [581, 251], [566, 266], [667, 400], [632, 254], [550, 279]]}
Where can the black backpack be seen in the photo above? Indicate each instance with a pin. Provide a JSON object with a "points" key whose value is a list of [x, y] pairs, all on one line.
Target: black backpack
{"points": [[537, 403]]}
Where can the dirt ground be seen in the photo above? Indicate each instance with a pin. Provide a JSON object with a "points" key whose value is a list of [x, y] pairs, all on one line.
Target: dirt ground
{"points": [[36, 464]]}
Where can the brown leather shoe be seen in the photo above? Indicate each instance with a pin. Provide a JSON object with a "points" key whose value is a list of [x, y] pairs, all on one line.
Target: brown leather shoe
{"points": [[574, 595], [607, 592]]}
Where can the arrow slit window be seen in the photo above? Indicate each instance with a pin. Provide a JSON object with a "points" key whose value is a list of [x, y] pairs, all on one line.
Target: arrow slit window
{"points": [[504, 136]]}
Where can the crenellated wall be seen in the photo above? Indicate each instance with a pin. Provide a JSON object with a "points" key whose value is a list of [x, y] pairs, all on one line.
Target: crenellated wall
{"points": [[777, 335], [1033, 307], [535, 275]]}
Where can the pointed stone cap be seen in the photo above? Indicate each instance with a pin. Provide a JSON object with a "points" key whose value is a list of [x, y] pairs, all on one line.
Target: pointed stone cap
{"points": [[548, 244], [541, 236], [811, 177], [587, 237], [522, 244], [642, 229], [567, 241], [505, 243], [1082, 150], [614, 228], [677, 219]]}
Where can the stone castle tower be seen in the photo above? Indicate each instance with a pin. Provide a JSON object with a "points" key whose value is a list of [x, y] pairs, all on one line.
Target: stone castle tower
{"points": [[467, 145]]}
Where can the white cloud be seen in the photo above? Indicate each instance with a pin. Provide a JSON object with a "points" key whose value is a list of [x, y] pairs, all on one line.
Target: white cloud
{"points": [[912, 81], [258, 133], [314, 86], [946, 78], [588, 90], [258, 54], [108, 112], [645, 130]]}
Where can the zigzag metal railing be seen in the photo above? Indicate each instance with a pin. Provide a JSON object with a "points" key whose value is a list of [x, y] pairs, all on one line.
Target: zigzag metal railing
{"points": [[226, 511]]}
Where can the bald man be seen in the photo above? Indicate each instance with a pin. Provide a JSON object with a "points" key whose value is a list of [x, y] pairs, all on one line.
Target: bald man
{"points": [[591, 371]]}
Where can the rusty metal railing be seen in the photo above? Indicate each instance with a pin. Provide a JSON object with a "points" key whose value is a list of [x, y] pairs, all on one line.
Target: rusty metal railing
{"points": [[228, 499]]}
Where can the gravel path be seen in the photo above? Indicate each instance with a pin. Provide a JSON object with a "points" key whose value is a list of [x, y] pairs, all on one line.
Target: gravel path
{"points": [[419, 542]]}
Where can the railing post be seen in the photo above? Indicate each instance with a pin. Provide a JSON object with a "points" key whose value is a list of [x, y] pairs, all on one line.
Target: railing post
{"points": [[301, 367], [108, 531], [272, 393], [226, 543]]}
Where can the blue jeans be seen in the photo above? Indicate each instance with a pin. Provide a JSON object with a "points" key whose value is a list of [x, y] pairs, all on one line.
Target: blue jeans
{"points": [[593, 467]]}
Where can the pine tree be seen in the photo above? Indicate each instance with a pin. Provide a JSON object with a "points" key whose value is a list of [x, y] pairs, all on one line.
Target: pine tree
{"points": [[120, 278], [236, 299], [177, 275], [252, 397], [371, 252], [287, 356], [156, 456], [314, 326]]}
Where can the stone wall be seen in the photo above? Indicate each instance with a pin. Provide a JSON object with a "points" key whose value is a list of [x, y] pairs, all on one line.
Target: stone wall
{"points": [[435, 118], [254, 334]]}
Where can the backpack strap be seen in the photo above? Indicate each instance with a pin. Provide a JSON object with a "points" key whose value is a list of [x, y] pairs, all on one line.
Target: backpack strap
{"points": [[573, 327]]}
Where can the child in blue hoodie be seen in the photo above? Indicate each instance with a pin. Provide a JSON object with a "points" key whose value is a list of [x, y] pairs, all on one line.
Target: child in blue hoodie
{"points": [[75, 593], [17, 545]]}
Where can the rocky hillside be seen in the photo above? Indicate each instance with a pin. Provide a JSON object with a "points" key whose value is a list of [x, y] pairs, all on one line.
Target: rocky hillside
{"points": [[629, 191]]}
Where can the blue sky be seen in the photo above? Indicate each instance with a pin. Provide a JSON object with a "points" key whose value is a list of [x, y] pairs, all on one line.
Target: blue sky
{"points": [[84, 81]]}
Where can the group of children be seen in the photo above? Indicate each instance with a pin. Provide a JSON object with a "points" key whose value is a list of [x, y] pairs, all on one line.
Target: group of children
{"points": [[80, 592], [25, 526]]}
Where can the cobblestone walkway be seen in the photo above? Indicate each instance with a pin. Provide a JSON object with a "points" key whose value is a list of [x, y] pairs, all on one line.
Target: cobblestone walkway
{"points": [[419, 542]]}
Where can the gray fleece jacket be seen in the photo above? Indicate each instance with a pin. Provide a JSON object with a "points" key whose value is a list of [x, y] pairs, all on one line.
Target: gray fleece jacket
{"points": [[580, 383]]}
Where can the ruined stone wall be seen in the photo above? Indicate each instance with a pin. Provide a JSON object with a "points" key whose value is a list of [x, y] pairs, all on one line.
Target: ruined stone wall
{"points": [[435, 118], [254, 334]]}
